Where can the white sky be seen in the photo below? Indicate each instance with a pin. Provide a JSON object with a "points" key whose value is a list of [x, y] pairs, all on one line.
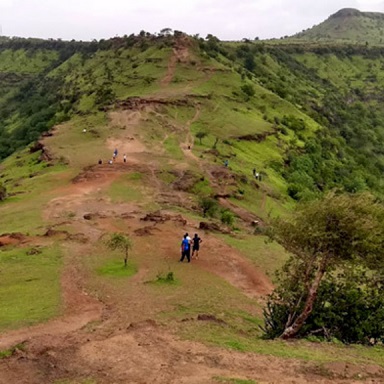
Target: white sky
{"points": [[226, 19]]}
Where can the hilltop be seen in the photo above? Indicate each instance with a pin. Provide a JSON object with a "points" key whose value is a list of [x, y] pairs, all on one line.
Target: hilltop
{"points": [[348, 25], [308, 119]]}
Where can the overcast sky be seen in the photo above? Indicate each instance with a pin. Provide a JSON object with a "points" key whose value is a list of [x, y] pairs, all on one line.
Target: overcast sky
{"points": [[226, 19]]}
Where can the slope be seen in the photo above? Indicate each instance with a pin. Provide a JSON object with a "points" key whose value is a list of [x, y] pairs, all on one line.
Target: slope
{"points": [[115, 325], [347, 25]]}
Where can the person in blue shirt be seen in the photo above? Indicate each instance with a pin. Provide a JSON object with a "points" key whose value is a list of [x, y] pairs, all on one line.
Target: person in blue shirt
{"points": [[185, 249]]}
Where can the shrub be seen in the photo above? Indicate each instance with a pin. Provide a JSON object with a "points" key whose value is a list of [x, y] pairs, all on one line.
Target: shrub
{"points": [[3, 192], [209, 206], [228, 218]]}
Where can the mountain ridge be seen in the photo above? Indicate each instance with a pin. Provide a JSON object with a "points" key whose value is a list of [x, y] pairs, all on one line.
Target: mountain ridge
{"points": [[347, 25]]}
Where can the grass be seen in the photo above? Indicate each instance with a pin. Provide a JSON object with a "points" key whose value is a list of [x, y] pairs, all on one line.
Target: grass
{"points": [[226, 380], [116, 268], [269, 257], [126, 189], [9, 352], [29, 286]]}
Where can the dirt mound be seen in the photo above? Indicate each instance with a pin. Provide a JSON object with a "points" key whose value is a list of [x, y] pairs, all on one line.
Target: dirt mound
{"points": [[145, 231], [160, 217], [12, 239], [213, 227], [187, 181]]}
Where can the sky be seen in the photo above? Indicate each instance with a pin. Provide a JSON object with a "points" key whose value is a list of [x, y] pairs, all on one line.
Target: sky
{"points": [[226, 19]]}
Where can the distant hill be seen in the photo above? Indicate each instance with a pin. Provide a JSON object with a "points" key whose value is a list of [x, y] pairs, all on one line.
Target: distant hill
{"points": [[348, 25]]}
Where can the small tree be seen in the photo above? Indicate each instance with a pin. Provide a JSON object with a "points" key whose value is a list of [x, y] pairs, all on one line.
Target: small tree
{"points": [[121, 242], [209, 206], [324, 236], [3, 192], [200, 135], [248, 90]]}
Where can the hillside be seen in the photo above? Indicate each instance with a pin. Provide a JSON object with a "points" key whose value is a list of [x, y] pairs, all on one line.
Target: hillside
{"points": [[309, 120], [348, 25]]}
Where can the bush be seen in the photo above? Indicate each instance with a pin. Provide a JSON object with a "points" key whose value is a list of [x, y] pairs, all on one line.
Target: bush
{"points": [[228, 218], [348, 308], [3, 192], [209, 206], [248, 89]]}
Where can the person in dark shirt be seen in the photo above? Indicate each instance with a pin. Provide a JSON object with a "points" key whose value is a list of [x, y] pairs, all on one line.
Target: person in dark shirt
{"points": [[196, 246]]}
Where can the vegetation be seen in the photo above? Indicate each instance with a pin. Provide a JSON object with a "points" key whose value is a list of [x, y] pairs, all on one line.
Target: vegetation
{"points": [[3, 192], [121, 242], [339, 235]]}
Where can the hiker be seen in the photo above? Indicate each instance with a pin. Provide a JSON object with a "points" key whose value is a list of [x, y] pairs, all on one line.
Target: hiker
{"points": [[115, 154], [257, 175], [226, 162], [196, 246], [254, 172], [125, 158], [100, 161], [185, 250]]}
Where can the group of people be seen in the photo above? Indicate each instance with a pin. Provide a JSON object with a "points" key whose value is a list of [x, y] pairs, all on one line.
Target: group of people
{"points": [[114, 156], [186, 244]]}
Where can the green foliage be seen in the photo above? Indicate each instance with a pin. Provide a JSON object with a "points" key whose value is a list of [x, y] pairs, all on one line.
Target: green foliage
{"points": [[248, 90], [324, 236], [9, 352], [3, 192], [200, 135], [169, 278], [209, 206], [228, 218], [115, 269], [121, 242]]}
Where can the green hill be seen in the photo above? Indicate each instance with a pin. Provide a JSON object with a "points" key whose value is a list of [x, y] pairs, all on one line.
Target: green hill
{"points": [[348, 25], [306, 117]]}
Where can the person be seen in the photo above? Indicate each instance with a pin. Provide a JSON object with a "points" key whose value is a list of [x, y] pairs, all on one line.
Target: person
{"points": [[125, 158], [226, 162], [115, 152], [257, 176], [185, 250], [196, 246], [254, 172], [100, 161], [110, 162]]}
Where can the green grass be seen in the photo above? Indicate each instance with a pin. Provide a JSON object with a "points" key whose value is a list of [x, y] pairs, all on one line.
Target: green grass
{"points": [[116, 268], [227, 380], [9, 352], [269, 257], [126, 189], [29, 286]]}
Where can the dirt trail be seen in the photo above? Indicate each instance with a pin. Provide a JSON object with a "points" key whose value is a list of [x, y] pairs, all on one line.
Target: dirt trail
{"points": [[115, 350], [180, 54]]}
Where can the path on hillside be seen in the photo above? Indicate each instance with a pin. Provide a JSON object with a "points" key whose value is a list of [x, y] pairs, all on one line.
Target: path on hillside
{"points": [[115, 339]]}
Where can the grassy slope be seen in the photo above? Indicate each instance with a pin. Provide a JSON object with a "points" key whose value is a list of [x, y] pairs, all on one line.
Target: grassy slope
{"points": [[225, 113], [348, 25]]}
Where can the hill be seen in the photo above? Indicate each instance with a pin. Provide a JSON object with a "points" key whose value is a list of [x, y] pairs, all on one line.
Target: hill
{"points": [[348, 25], [307, 118]]}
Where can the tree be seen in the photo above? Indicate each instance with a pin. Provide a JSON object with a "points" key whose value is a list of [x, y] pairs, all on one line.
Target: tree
{"points": [[248, 89], [3, 192], [200, 135], [323, 236], [166, 32], [121, 242], [209, 206]]}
